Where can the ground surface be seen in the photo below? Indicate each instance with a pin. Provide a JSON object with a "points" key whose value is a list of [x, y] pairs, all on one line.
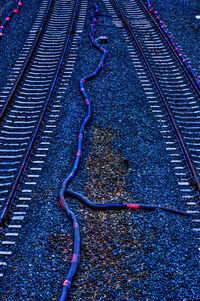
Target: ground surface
{"points": [[125, 255]]}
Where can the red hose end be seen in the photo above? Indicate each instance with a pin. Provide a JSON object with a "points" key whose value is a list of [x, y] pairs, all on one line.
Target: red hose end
{"points": [[19, 3], [75, 258], [7, 19], [67, 283], [15, 11], [75, 225], [61, 203], [133, 206], [78, 153]]}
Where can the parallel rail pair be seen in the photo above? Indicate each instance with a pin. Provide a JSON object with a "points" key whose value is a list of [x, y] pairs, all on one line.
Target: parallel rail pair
{"points": [[157, 74], [21, 116]]}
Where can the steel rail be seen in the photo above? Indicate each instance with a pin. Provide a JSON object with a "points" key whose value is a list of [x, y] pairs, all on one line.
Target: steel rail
{"points": [[193, 82], [27, 61], [28, 152], [170, 115]]}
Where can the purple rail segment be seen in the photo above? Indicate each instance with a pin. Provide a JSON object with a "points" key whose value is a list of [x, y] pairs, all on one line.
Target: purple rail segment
{"points": [[9, 16]]}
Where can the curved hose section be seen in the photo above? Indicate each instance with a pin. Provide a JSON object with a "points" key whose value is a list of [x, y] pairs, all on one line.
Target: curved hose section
{"points": [[123, 206], [173, 43], [62, 200], [7, 19], [65, 191]]}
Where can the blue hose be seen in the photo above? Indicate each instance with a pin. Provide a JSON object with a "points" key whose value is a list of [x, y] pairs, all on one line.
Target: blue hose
{"points": [[64, 189]]}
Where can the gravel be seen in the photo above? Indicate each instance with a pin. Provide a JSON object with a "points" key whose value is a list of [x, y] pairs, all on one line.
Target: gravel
{"points": [[125, 255]]}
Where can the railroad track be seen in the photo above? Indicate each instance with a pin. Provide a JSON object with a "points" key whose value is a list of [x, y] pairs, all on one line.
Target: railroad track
{"points": [[174, 84], [23, 111], [40, 64]]}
